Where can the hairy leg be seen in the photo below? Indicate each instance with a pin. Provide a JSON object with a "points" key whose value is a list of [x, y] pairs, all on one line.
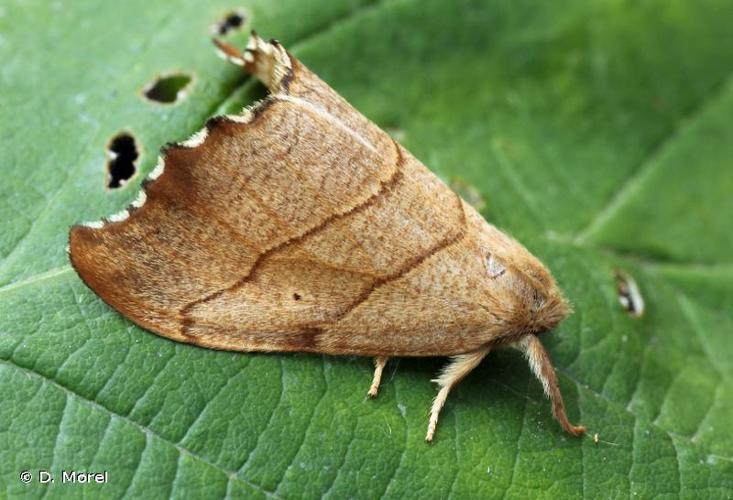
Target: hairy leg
{"points": [[459, 367], [379, 363], [539, 362]]}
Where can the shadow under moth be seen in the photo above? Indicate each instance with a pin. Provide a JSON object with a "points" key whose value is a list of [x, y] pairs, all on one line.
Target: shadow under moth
{"points": [[299, 225]]}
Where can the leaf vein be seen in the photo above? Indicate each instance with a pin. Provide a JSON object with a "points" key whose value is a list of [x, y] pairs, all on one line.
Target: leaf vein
{"points": [[307, 427], [251, 453], [648, 164], [70, 393]]}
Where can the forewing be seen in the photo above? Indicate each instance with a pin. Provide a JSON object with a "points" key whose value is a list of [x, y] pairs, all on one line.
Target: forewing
{"points": [[290, 227]]}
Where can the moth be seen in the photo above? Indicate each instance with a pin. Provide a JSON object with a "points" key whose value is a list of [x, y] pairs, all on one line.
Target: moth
{"points": [[299, 225]]}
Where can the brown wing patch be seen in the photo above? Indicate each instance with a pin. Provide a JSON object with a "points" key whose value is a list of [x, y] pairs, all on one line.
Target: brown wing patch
{"points": [[217, 207], [274, 230], [263, 303]]}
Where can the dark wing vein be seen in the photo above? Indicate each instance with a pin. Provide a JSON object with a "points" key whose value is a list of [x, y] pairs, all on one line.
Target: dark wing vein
{"points": [[384, 187]]}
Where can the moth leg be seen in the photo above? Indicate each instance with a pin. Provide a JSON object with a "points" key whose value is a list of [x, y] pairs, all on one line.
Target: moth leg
{"points": [[379, 363], [539, 362], [459, 367]]}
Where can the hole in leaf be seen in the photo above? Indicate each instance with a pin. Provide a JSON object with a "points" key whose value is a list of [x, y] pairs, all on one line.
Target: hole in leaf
{"points": [[121, 156], [629, 295], [231, 21], [296, 296], [167, 89]]}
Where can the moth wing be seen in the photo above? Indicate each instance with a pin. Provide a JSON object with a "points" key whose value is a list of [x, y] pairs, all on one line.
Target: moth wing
{"points": [[277, 229], [218, 208], [397, 274]]}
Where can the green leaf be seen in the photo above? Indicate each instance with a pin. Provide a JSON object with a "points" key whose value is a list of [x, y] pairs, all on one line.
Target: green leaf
{"points": [[598, 133]]}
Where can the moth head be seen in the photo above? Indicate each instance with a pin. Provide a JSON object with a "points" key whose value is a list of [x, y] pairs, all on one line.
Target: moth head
{"points": [[524, 292]]}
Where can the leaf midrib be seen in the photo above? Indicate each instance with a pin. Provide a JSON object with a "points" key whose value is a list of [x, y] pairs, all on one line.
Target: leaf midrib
{"points": [[650, 162]]}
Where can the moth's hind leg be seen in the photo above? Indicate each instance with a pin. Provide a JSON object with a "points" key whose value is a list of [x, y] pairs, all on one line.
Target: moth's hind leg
{"points": [[379, 363], [459, 367]]}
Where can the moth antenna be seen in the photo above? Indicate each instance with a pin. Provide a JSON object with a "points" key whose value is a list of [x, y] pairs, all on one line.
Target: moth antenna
{"points": [[539, 362]]}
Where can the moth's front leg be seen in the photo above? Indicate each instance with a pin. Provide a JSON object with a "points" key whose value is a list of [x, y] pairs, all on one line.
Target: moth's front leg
{"points": [[379, 363], [539, 362], [459, 367]]}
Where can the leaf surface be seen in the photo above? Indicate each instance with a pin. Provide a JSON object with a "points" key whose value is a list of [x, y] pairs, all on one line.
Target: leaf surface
{"points": [[598, 133]]}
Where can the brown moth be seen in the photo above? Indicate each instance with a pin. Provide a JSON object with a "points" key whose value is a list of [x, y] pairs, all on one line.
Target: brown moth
{"points": [[299, 225]]}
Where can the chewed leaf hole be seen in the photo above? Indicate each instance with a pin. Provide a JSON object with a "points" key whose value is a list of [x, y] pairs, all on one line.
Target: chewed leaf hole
{"points": [[122, 155], [629, 295], [167, 89], [231, 21]]}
